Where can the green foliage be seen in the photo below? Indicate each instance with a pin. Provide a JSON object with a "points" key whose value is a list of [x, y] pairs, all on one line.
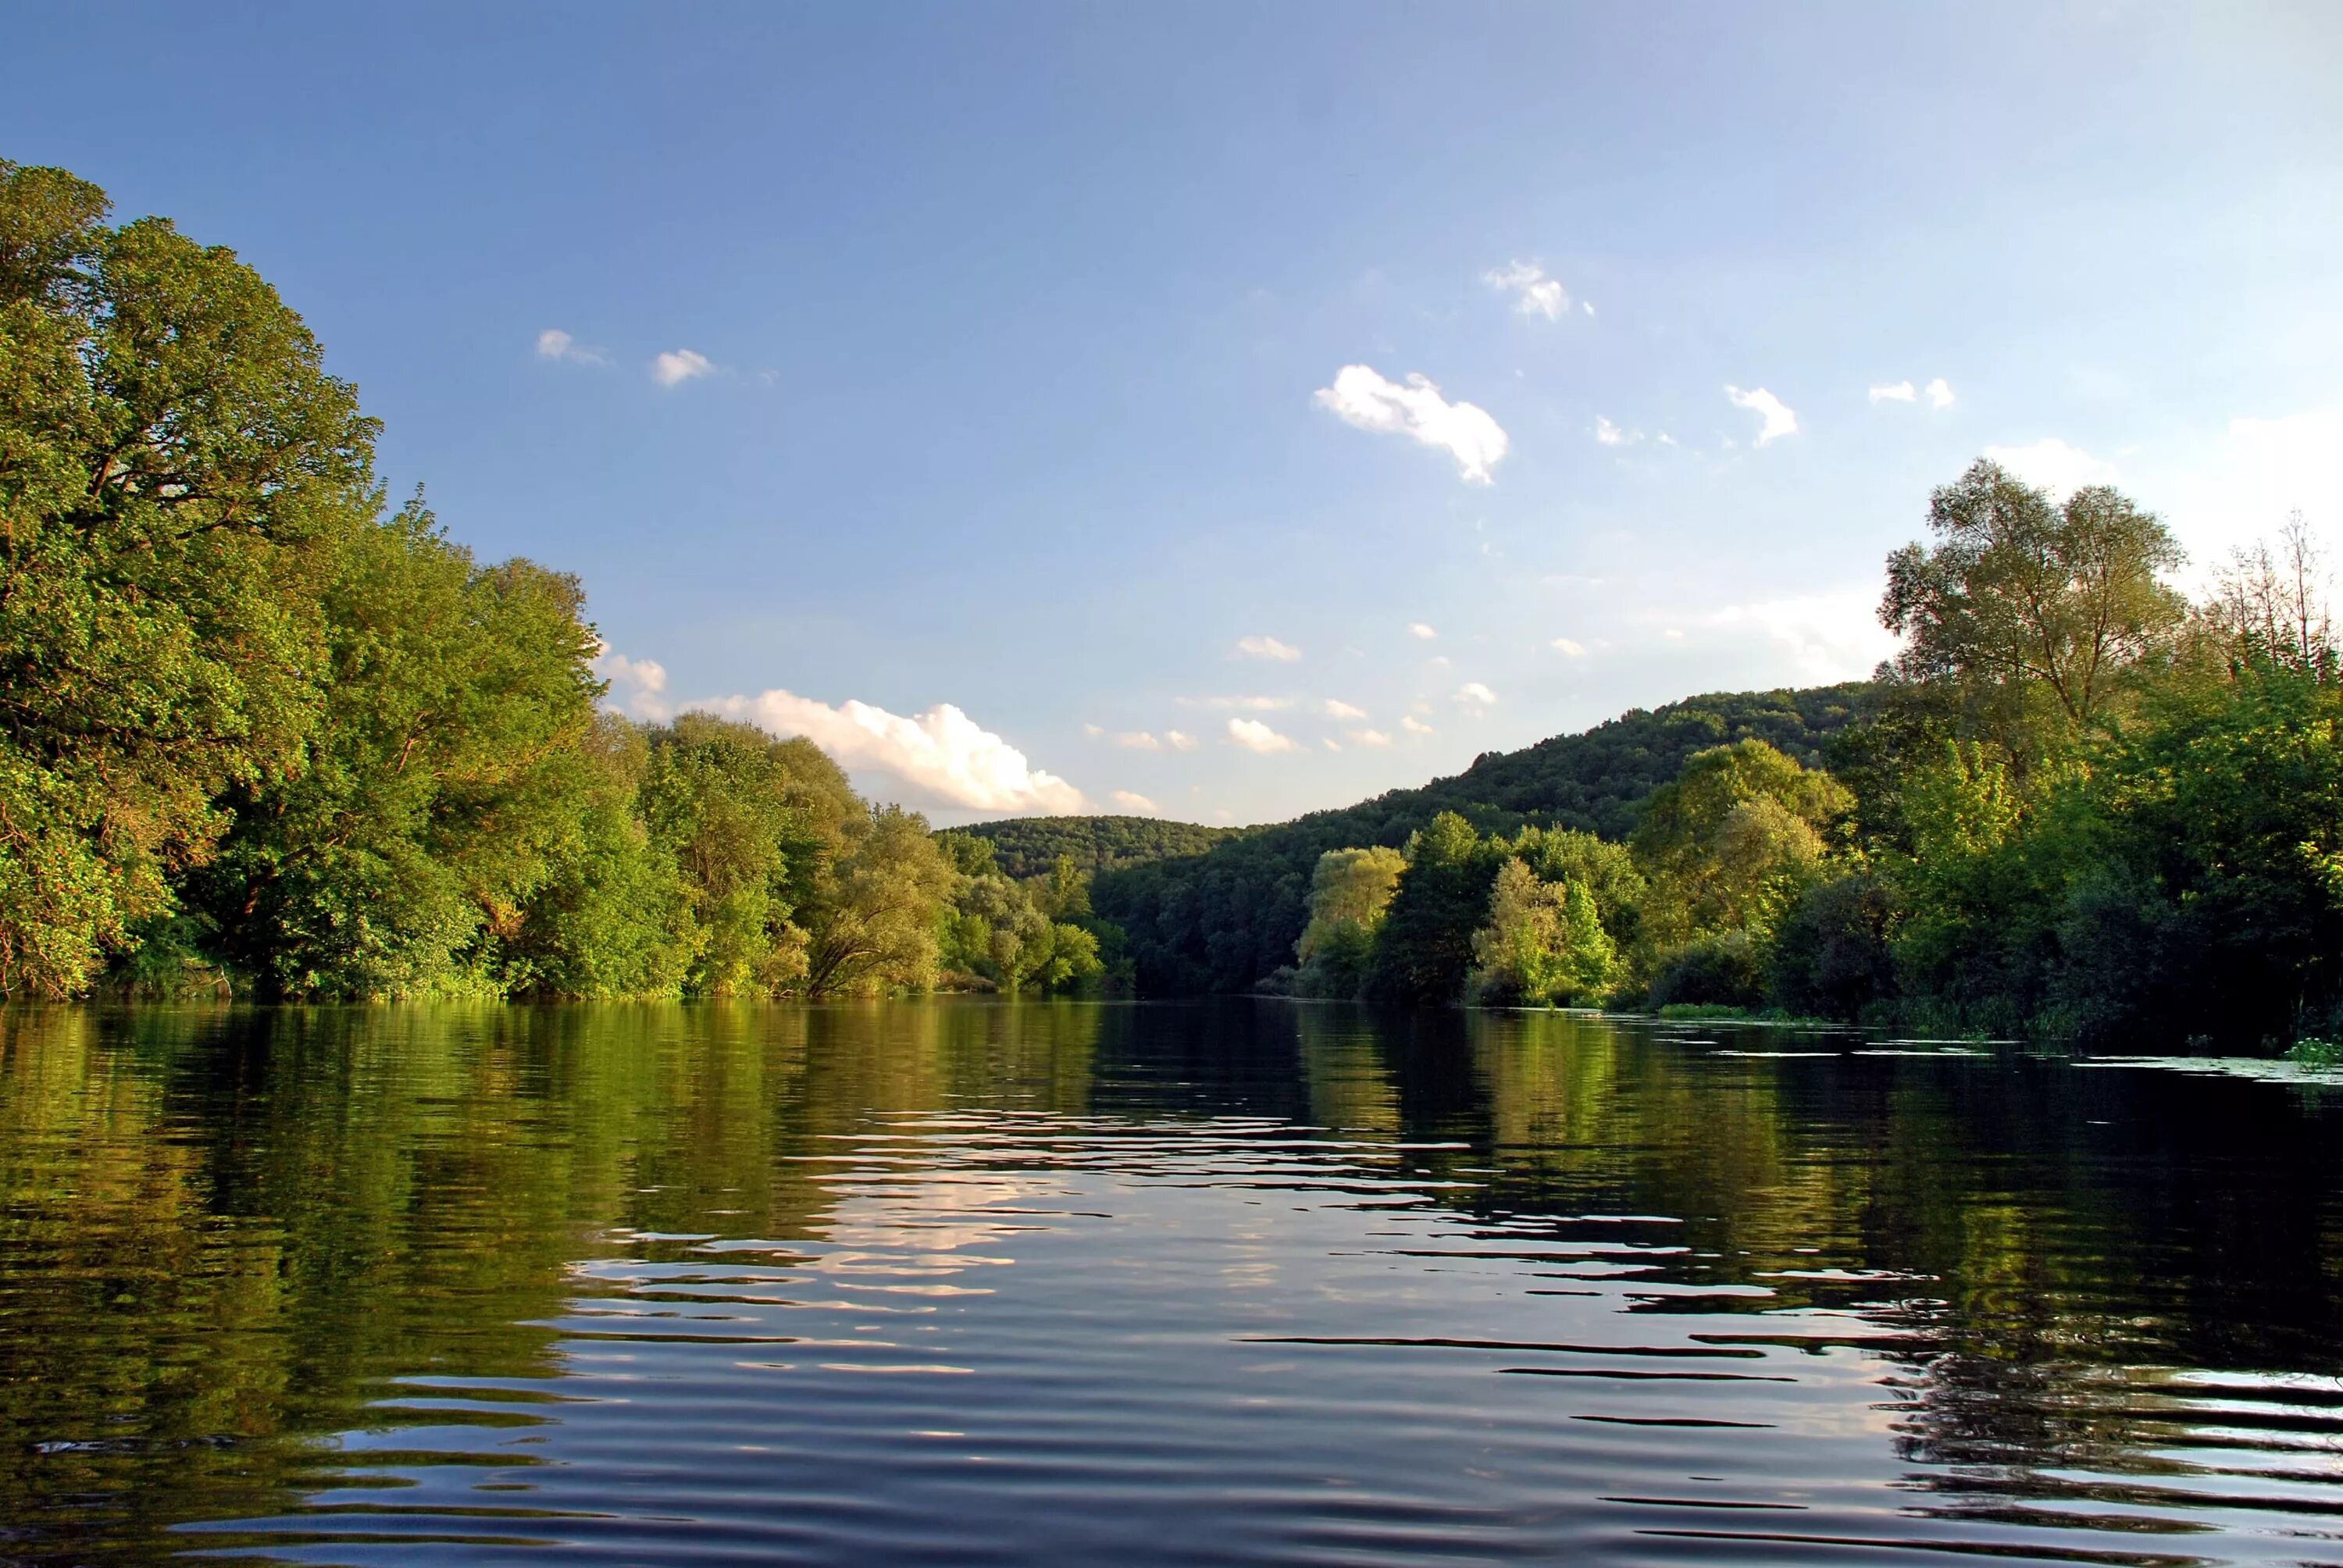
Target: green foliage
{"points": [[1726, 969], [1424, 951], [1734, 841], [1544, 945], [1223, 919], [1029, 846]]}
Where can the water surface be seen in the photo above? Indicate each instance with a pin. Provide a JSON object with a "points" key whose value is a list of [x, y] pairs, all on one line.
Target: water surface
{"points": [[990, 1283]]}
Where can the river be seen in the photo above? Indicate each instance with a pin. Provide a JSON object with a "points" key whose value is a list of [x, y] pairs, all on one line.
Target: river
{"points": [[972, 1282]]}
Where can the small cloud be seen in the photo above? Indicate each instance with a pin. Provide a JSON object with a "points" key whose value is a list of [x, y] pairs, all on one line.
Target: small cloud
{"points": [[1335, 708], [1368, 736], [941, 757], [1139, 805], [1588, 305], [1776, 418], [1472, 694], [1237, 703], [1537, 295], [1609, 435], [637, 686], [1940, 393], [1414, 726], [1179, 741], [1267, 648], [1092, 730], [1893, 392], [1138, 740], [1254, 736], [555, 343], [1417, 629], [680, 366], [1666, 440], [1330, 743], [2051, 465], [1362, 400], [1569, 647]]}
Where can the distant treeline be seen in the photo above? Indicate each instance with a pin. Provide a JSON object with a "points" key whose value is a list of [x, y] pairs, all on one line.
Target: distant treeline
{"points": [[262, 731], [1031, 845]]}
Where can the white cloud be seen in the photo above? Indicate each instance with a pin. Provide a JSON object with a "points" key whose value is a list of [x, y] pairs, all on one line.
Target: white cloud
{"points": [[1254, 736], [1363, 398], [1829, 636], [2239, 487], [1368, 736], [1337, 708], [1267, 648], [1570, 647], [1776, 418], [1417, 629], [1472, 694], [1179, 741], [1133, 801], [1940, 394], [1898, 392], [1237, 703], [1138, 740], [1588, 305], [680, 366], [2051, 465], [637, 686], [1666, 440], [942, 757], [1330, 743], [1538, 294], [555, 343], [1413, 725], [1609, 435], [1092, 730]]}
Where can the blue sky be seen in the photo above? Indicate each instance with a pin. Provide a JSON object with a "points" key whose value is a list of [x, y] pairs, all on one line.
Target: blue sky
{"points": [[1052, 364]]}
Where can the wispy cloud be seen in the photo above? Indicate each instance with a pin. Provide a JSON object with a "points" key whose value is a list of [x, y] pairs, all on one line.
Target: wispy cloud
{"points": [[1535, 293], [679, 366], [1893, 392], [1940, 393], [555, 343], [1472, 694], [1138, 740], [2052, 464], [1267, 648], [1776, 418], [1829, 636], [1609, 435], [1254, 736], [1569, 647], [1368, 736], [1179, 741], [1139, 805], [1337, 708], [1362, 399], [1418, 630], [1237, 703], [940, 758]]}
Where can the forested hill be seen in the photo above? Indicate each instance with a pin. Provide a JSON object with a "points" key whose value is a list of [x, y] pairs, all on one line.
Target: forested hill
{"points": [[1029, 846], [1220, 920]]}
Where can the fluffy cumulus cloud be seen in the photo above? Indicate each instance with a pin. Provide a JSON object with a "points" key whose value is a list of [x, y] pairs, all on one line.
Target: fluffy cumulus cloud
{"points": [[679, 366], [1254, 736], [2052, 464], [555, 343], [1472, 694], [1609, 435], [1363, 399], [1828, 637], [1139, 805], [1138, 740], [637, 686], [1368, 736], [1776, 418], [1179, 741], [940, 758], [1413, 725], [1895, 392], [1416, 628], [1534, 294], [1940, 394], [1267, 648], [1337, 708]]}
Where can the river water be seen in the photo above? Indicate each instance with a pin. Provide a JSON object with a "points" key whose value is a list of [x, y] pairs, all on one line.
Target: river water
{"points": [[972, 1282]]}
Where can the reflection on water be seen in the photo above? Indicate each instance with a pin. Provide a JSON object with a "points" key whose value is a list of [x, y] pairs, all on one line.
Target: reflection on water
{"points": [[972, 1282]]}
